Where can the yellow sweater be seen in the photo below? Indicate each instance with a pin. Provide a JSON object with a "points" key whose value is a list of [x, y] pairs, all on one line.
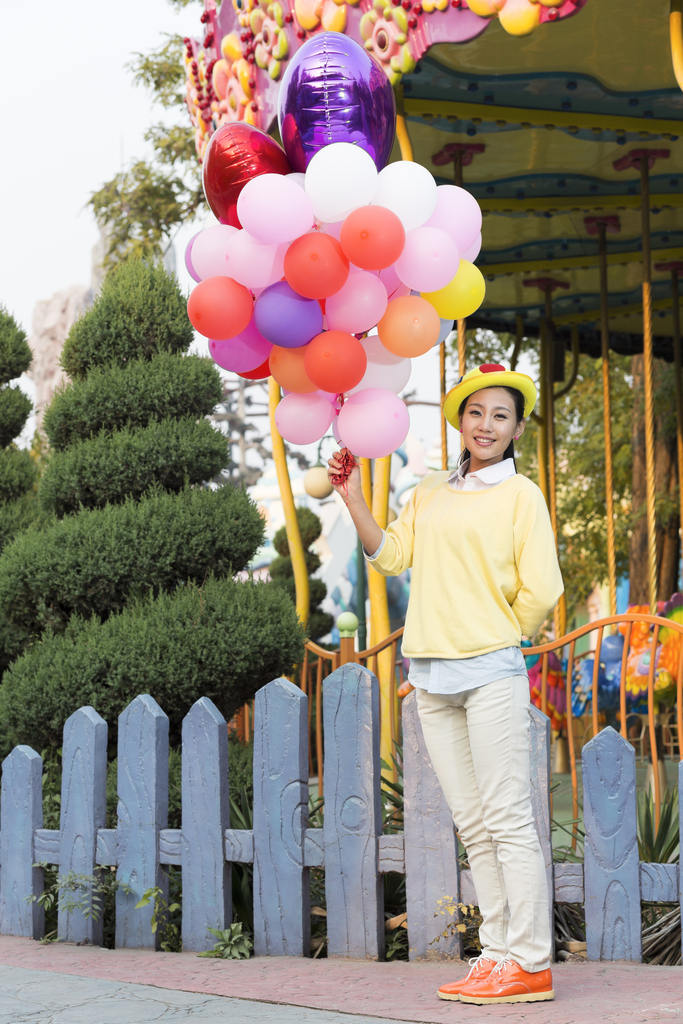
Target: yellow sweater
{"points": [[485, 568]]}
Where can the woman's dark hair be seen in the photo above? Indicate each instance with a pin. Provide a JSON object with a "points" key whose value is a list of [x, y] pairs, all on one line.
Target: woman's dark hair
{"points": [[518, 399]]}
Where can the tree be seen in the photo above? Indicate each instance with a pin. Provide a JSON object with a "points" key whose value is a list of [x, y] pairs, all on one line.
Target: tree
{"points": [[18, 471], [282, 574], [131, 587]]}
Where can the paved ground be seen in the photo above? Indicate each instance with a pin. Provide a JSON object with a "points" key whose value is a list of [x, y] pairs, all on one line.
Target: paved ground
{"points": [[62, 984]]}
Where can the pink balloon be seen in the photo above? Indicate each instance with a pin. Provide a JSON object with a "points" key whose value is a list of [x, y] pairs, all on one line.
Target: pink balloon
{"points": [[458, 214], [359, 305], [333, 228], [303, 419], [188, 258], [274, 209], [253, 263], [429, 261], [471, 254], [373, 423], [210, 251], [242, 353], [394, 286], [384, 369]]}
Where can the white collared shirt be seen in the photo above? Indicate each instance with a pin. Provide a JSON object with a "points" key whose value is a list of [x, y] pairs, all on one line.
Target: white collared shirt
{"points": [[439, 675]]}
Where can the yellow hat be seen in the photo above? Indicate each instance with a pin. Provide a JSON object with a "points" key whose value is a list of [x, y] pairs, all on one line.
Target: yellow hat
{"points": [[490, 375]]}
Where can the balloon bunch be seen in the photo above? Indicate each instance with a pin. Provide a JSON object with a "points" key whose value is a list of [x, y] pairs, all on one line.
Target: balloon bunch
{"points": [[304, 263]]}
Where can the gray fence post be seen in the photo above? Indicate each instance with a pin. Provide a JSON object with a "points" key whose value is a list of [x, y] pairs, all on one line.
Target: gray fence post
{"points": [[21, 811], [612, 877], [207, 900], [431, 851], [83, 811], [142, 812], [282, 913], [353, 816], [539, 751]]}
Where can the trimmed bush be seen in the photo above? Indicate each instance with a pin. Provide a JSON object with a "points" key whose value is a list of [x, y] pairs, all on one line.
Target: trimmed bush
{"points": [[17, 473], [15, 409], [281, 572], [139, 313], [110, 468], [15, 354], [116, 397], [93, 561], [224, 640]]}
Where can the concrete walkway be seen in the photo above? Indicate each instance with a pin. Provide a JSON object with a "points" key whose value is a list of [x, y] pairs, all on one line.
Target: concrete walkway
{"points": [[63, 984]]}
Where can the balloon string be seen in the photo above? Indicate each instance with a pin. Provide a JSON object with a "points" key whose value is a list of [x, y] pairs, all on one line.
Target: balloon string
{"points": [[348, 463]]}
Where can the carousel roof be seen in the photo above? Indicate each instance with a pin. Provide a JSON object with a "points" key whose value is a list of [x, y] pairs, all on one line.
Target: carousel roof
{"points": [[540, 123]]}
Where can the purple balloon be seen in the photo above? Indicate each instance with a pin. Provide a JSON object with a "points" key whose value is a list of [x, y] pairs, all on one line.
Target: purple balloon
{"points": [[188, 259], [242, 353], [335, 91], [285, 318]]}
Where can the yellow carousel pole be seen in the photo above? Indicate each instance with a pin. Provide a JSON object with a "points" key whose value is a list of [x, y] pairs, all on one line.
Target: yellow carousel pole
{"points": [[296, 548], [442, 378], [679, 387], [607, 416], [380, 626], [676, 37], [647, 374]]}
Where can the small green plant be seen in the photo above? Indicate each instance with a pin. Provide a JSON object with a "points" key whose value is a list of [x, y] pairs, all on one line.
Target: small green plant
{"points": [[392, 792], [469, 927], [658, 845], [73, 891], [163, 918], [233, 943]]}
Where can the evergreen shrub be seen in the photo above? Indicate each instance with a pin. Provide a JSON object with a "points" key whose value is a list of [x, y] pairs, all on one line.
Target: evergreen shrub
{"points": [[91, 562], [223, 640], [114, 397], [139, 313], [281, 572], [111, 467]]}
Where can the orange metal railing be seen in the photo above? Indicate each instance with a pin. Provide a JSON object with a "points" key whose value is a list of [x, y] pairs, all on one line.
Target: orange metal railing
{"points": [[319, 662]]}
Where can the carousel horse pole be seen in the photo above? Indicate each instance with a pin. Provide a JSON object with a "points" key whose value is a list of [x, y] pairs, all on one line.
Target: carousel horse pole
{"points": [[600, 226], [644, 160], [675, 268]]}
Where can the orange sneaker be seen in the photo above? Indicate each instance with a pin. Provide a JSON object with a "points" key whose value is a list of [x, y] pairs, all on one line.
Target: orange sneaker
{"points": [[480, 969], [508, 983]]}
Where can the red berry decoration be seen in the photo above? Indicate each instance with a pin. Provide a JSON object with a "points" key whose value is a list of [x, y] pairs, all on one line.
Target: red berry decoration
{"points": [[412, 22]]}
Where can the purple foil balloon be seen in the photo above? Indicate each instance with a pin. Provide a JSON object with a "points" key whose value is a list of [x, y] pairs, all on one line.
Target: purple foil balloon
{"points": [[286, 318], [334, 91], [243, 353]]}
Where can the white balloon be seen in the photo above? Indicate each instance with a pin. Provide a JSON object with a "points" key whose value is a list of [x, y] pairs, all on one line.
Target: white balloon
{"points": [[274, 209], [210, 256], [340, 178], [297, 177], [384, 369], [471, 254], [408, 190]]}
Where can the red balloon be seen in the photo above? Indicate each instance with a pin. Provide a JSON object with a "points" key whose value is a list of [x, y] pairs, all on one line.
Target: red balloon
{"points": [[335, 361], [220, 308], [260, 373], [315, 265], [372, 237], [236, 153]]}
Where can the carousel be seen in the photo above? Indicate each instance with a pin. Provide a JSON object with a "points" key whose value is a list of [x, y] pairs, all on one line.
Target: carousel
{"points": [[562, 118]]}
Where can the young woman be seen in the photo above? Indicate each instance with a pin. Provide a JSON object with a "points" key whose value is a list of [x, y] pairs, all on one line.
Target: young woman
{"points": [[485, 572]]}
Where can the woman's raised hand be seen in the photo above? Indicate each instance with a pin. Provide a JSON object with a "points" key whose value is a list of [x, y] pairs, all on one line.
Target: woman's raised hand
{"points": [[343, 472]]}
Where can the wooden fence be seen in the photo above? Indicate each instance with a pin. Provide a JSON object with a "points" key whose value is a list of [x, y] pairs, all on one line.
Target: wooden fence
{"points": [[283, 848]]}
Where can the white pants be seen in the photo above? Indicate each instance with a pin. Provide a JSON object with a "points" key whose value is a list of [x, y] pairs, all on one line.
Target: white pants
{"points": [[478, 742]]}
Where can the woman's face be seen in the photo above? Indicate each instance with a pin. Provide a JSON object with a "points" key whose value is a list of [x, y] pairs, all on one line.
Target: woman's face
{"points": [[489, 423]]}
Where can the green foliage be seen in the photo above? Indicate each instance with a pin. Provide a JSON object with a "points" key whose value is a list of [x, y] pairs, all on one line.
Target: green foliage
{"points": [[242, 816], [163, 921], [224, 640], [115, 397], [109, 468], [658, 845], [241, 769], [139, 313], [162, 71], [232, 943], [17, 473], [86, 893], [15, 409], [15, 354], [282, 573], [91, 562]]}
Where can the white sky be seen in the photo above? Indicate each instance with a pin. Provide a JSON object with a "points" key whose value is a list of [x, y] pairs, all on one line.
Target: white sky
{"points": [[71, 119]]}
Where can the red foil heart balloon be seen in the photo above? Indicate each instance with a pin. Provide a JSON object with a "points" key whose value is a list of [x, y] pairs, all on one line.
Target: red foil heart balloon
{"points": [[236, 153]]}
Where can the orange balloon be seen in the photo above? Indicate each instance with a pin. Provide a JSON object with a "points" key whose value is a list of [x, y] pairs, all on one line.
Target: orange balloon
{"points": [[287, 366], [220, 308], [409, 327], [315, 265], [372, 237], [335, 361]]}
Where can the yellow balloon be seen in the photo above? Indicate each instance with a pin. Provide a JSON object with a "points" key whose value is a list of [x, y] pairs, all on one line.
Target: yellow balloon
{"points": [[461, 296]]}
